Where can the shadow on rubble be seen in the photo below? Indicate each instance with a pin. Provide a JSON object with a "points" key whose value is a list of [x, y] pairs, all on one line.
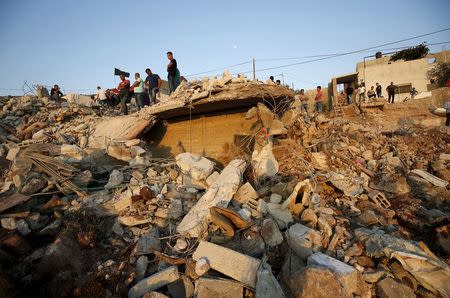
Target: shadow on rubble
{"points": [[64, 264]]}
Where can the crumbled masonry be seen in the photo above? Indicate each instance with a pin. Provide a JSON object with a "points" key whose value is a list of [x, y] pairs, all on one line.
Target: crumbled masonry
{"points": [[312, 205]]}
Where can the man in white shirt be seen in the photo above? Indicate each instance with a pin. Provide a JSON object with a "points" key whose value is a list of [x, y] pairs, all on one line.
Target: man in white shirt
{"points": [[362, 93], [139, 91], [101, 96]]}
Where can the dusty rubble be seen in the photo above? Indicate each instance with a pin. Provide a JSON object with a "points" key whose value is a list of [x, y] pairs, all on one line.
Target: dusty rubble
{"points": [[323, 206]]}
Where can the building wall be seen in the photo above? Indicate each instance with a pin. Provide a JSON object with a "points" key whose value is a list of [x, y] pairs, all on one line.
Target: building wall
{"points": [[207, 134], [400, 72], [413, 72]]}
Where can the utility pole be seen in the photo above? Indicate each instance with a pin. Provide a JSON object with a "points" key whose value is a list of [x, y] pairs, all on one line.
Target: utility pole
{"points": [[254, 69], [282, 77], [293, 86]]}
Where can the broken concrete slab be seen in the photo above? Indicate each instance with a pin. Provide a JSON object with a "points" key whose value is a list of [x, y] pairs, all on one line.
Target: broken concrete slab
{"points": [[432, 273], [198, 167], [316, 282], [264, 162], [245, 193], [270, 121], [267, 285], [303, 240], [154, 282], [430, 178], [119, 128], [346, 274], [350, 186], [218, 288], [219, 194], [282, 215], [229, 262]]}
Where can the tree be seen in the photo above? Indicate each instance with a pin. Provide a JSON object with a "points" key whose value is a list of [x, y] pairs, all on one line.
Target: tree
{"points": [[440, 73], [411, 53]]}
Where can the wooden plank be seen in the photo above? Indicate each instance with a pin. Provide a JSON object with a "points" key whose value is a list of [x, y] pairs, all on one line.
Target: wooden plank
{"points": [[12, 200]]}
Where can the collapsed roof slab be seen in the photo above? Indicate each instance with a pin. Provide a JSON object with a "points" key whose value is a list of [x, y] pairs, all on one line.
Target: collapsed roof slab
{"points": [[229, 98], [120, 128]]}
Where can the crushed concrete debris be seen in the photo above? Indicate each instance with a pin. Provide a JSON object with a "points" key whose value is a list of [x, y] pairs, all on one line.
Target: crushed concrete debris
{"points": [[304, 206]]}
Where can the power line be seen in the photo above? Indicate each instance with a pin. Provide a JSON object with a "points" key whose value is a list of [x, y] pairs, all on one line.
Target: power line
{"points": [[334, 54], [217, 69], [353, 52]]}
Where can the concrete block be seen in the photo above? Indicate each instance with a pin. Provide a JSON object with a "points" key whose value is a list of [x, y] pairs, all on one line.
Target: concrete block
{"points": [[154, 282], [198, 167], [238, 266]]}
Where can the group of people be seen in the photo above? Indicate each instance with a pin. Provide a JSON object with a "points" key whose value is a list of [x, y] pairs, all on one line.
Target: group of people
{"points": [[145, 91], [302, 100], [271, 81], [373, 93]]}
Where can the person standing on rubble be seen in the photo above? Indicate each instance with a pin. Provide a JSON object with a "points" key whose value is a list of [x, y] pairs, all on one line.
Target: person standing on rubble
{"points": [[153, 83], [172, 69], [55, 93], [391, 92], [349, 91], [319, 100], [100, 96], [138, 91], [378, 90], [303, 101], [362, 93], [124, 93]]}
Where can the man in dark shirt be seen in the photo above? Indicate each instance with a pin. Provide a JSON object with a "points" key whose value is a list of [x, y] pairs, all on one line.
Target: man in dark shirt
{"points": [[349, 91], [124, 93], [172, 69], [153, 84], [391, 92], [55, 93], [378, 90]]}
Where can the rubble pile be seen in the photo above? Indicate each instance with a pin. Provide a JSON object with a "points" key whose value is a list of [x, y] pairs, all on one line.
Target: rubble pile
{"points": [[321, 207]]}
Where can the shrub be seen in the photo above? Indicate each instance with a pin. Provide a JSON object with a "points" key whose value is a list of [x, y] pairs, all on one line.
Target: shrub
{"points": [[411, 53]]}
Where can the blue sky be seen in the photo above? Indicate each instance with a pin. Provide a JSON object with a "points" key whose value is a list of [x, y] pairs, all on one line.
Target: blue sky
{"points": [[77, 44]]}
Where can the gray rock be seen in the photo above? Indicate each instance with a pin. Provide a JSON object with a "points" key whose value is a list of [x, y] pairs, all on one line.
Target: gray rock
{"points": [[115, 179], [267, 285], [303, 240], [271, 233], [22, 227], [148, 242], [141, 267]]}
